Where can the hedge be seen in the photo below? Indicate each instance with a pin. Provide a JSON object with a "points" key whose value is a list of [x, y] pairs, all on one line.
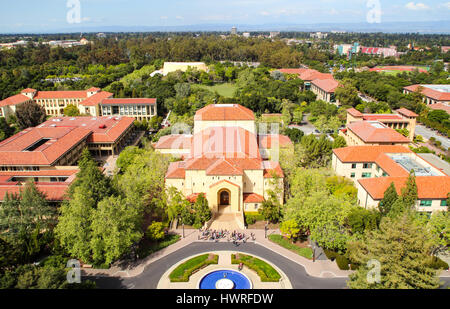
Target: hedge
{"points": [[266, 272], [342, 262], [252, 217], [184, 271]]}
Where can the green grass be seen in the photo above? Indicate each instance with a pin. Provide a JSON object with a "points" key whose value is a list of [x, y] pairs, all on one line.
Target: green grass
{"points": [[266, 272], [285, 243], [183, 272], [225, 90]]}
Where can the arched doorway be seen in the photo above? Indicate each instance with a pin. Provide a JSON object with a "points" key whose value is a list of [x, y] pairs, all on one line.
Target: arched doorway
{"points": [[224, 200]]}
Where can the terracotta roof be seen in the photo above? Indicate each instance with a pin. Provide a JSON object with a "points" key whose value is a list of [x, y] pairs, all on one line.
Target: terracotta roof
{"points": [[225, 142], [428, 187], [310, 75], [431, 93], [374, 132], [104, 129], [60, 95], [13, 151], [406, 112], [265, 141], [224, 112], [14, 100], [440, 106], [174, 141], [381, 117], [271, 167], [93, 89], [176, 170], [96, 99], [327, 85], [28, 90], [354, 112], [54, 192], [128, 101], [225, 167], [253, 198]]}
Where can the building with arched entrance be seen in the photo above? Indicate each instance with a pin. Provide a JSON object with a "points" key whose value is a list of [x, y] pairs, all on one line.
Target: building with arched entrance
{"points": [[226, 160]]}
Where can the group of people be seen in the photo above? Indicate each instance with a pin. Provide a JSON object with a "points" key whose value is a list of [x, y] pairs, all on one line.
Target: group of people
{"points": [[216, 235]]}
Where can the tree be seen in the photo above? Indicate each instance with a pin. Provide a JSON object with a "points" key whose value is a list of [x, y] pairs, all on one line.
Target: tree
{"points": [[202, 211], [71, 111], [116, 225], [389, 198], [155, 231], [439, 227], [402, 248], [339, 142], [298, 116], [290, 228], [347, 94], [29, 114], [5, 129]]}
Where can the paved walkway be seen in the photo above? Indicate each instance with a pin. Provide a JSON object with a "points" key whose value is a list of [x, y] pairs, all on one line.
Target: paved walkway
{"points": [[319, 268]]}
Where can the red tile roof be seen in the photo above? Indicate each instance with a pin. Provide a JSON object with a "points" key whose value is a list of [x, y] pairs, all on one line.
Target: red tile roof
{"points": [[14, 100], [174, 141], [176, 170], [381, 117], [406, 112], [128, 101], [271, 168], [270, 140], [431, 93], [354, 112], [13, 150], [96, 99], [40, 95], [441, 106], [53, 192], [104, 129], [376, 132], [253, 198], [193, 197], [28, 90], [310, 75], [428, 187], [225, 167], [224, 112], [327, 85], [225, 142]]}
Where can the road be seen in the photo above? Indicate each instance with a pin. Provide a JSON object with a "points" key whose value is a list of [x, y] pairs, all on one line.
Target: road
{"points": [[150, 277], [427, 133], [305, 126]]}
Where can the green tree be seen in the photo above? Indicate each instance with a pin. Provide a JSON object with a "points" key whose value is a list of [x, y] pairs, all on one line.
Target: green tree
{"points": [[29, 114], [347, 94], [71, 111], [202, 211], [402, 248], [290, 228], [339, 142], [155, 231], [116, 225], [389, 198]]}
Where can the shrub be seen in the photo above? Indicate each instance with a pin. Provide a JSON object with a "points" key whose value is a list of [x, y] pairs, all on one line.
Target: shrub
{"points": [[252, 217], [183, 272], [331, 255], [342, 262], [305, 252]]}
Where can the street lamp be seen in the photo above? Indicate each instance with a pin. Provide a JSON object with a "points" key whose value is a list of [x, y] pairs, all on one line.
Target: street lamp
{"points": [[265, 230], [314, 252]]}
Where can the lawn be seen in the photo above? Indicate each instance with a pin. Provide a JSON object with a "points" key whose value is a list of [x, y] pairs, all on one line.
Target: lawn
{"points": [[183, 272], [225, 90], [285, 243], [266, 272]]}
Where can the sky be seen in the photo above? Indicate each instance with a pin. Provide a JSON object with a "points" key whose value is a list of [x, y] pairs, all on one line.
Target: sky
{"points": [[42, 15]]}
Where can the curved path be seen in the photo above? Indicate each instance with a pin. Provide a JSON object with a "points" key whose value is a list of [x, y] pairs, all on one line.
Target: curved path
{"points": [[152, 273]]}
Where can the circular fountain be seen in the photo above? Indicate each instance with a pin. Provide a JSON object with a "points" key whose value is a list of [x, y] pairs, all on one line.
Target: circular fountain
{"points": [[225, 279]]}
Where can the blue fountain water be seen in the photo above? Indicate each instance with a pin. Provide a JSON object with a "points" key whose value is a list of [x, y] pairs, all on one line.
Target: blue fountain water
{"points": [[240, 281]]}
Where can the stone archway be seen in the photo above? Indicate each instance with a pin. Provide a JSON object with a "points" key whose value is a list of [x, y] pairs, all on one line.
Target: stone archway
{"points": [[223, 200]]}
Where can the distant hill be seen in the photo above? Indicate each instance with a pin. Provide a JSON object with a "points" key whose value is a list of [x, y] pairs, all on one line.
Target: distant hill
{"points": [[441, 27]]}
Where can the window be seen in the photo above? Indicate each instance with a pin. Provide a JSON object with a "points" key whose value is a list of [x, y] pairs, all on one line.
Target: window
{"points": [[425, 203], [367, 165], [384, 174], [443, 202], [256, 206], [366, 175], [354, 165], [352, 175]]}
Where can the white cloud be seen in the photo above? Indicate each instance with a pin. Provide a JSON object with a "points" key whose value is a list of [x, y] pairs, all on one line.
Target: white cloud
{"points": [[416, 6], [179, 17]]}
